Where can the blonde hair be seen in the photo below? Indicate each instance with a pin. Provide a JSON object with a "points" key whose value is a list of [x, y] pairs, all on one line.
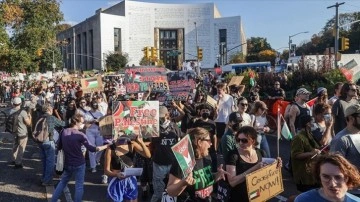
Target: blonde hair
{"points": [[197, 134]]}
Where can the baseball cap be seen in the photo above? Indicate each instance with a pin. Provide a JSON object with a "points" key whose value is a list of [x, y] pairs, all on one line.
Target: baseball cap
{"points": [[235, 117], [321, 89], [17, 100], [163, 111], [352, 109], [302, 91]]}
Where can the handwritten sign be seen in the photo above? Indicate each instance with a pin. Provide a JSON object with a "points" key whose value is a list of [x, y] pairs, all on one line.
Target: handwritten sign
{"points": [[136, 118], [106, 126], [66, 78], [184, 155], [236, 80], [91, 84], [176, 96], [264, 183], [141, 79]]}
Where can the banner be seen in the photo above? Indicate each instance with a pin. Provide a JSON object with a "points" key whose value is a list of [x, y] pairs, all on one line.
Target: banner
{"points": [[136, 118], [91, 84], [141, 79], [264, 183], [184, 155], [106, 126], [182, 86]]}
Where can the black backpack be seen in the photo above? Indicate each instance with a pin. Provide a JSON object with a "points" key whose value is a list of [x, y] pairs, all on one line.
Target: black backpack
{"points": [[12, 121]]}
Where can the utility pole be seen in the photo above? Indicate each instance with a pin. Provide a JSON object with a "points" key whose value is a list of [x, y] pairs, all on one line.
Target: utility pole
{"points": [[336, 30], [74, 50], [197, 47]]}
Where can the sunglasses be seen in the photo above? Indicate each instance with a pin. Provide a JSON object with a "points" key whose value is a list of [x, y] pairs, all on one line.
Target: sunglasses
{"points": [[277, 84], [244, 104], [82, 102], [242, 140], [207, 140]]}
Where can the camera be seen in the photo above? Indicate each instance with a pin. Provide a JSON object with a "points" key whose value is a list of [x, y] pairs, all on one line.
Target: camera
{"points": [[327, 117]]}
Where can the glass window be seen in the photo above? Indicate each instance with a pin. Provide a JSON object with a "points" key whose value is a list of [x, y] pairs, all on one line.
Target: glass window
{"points": [[117, 39]]}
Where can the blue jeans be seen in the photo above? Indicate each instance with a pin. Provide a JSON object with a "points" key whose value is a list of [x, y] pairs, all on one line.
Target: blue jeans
{"points": [[79, 172], [263, 144], [48, 160], [160, 172]]}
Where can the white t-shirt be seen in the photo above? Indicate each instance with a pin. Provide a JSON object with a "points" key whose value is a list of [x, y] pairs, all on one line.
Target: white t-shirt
{"points": [[246, 119], [225, 106], [103, 107]]}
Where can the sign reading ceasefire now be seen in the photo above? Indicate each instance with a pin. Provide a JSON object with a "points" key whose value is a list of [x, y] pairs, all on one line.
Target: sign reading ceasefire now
{"points": [[141, 79], [264, 183]]}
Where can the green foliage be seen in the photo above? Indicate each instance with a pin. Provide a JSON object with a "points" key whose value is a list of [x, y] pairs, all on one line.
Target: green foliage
{"points": [[33, 25], [237, 58], [144, 61], [45, 62], [116, 60]]}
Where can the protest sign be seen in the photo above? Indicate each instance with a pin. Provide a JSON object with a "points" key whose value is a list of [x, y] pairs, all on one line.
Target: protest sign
{"points": [[92, 84], [106, 126], [184, 155], [136, 118], [141, 79], [66, 78], [236, 80], [211, 101], [264, 183]]}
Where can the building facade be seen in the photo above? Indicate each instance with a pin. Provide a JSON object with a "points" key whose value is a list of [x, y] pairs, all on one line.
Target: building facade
{"points": [[129, 26]]}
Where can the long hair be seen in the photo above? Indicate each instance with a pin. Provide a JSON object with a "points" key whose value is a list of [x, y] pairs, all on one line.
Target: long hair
{"points": [[257, 106], [197, 134], [347, 169], [344, 90]]}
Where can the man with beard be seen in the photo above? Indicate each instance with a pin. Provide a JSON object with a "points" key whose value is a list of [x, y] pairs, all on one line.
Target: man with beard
{"points": [[347, 141], [298, 110], [347, 98]]}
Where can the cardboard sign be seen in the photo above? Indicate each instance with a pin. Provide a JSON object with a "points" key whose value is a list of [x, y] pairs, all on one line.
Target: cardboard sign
{"points": [[136, 118], [184, 155], [236, 80], [92, 84], [66, 78], [106, 126], [176, 96], [264, 183], [141, 79], [211, 101]]}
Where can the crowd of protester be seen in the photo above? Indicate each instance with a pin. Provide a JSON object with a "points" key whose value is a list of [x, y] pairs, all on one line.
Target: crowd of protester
{"points": [[229, 140]]}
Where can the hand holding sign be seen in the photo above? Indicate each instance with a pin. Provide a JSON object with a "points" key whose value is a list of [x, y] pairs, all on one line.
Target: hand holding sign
{"points": [[189, 180]]}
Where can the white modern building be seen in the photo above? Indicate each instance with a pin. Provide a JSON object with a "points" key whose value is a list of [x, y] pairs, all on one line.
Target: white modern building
{"points": [[129, 26]]}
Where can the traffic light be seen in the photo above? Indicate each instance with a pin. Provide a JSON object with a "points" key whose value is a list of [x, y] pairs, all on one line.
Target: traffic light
{"points": [[344, 43], [199, 53], [154, 52], [146, 52]]}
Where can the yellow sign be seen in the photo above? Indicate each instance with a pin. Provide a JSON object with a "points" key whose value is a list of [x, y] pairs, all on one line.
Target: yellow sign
{"points": [[264, 183], [236, 80]]}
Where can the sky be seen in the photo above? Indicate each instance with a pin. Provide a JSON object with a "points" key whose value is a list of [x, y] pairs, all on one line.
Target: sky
{"points": [[274, 20]]}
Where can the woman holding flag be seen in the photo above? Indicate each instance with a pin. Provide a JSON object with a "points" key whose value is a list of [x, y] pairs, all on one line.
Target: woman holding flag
{"points": [[198, 185]]}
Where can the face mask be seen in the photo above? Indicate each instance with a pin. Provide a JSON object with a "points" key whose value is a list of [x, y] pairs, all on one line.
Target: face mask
{"points": [[81, 126], [95, 106], [236, 127], [190, 101], [161, 120], [164, 124], [205, 115]]}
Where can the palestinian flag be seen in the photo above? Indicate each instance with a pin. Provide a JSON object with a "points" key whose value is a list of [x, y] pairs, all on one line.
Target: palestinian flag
{"points": [[91, 83], [184, 155], [254, 194]]}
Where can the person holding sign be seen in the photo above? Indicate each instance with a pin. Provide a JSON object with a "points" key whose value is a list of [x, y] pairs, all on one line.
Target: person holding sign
{"points": [[337, 176], [198, 185], [246, 159], [117, 159]]}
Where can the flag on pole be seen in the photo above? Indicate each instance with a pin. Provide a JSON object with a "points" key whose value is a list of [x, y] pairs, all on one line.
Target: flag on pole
{"points": [[285, 132]]}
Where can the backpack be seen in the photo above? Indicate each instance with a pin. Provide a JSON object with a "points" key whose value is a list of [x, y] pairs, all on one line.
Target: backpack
{"points": [[41, 130], [12, 121]]}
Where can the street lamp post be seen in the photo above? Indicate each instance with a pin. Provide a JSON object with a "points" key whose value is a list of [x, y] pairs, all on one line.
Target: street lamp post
{"points": [[291, 41]]}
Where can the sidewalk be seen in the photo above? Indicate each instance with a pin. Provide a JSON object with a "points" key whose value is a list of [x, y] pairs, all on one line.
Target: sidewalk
{"points": [[20, 184]]}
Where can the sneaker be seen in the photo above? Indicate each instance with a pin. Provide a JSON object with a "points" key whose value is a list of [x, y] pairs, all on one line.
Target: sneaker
{"points": [[18, 166], [104, 179], [93, 170]]}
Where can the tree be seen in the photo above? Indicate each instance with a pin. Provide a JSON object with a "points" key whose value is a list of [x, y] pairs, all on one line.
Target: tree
{"points": [[144, 61], [237, 58], [267, 55], [116, 60], [33, 26], [254, 46]]}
